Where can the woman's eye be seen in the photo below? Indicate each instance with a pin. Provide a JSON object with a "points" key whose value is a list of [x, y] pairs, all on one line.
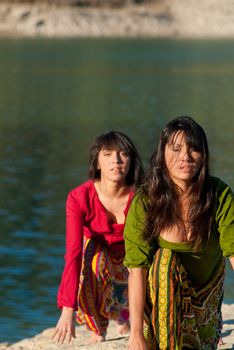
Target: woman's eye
{"points": [[124, 154], [175, 149], [107, 153], [193, 149]]}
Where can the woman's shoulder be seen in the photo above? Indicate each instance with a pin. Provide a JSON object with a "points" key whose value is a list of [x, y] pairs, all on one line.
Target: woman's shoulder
{"points": [[223, 195], [141, 198], [82, 191], [139, 203], [218, 185]]}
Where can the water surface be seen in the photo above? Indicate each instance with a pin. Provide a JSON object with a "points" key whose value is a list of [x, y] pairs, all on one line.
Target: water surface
{"points": [[55, 97]]}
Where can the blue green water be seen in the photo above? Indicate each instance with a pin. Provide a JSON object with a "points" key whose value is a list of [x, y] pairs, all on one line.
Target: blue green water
{"points": [[55, 97]]}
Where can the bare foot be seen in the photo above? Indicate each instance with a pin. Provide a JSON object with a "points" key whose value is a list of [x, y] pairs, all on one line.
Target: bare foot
{"points": [[124, 328], [95, 338]]}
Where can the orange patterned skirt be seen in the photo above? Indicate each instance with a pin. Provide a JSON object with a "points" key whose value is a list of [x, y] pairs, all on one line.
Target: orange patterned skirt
{"points": [[103, 288]]}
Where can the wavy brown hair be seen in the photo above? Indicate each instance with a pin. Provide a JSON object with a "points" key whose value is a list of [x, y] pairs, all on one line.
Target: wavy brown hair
{"points": [[116, 140], [162, 195]]}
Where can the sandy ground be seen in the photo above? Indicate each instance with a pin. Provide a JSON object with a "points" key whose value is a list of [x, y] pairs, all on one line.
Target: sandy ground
{"points": [[114, 341], [161, 18]]}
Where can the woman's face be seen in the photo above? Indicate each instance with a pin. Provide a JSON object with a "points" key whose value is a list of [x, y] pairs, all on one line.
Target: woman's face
{"points": [[113, 164], [182, 162]]}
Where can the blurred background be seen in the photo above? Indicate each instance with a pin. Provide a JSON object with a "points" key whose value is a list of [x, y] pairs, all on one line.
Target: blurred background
{"points": [[56, 96]]}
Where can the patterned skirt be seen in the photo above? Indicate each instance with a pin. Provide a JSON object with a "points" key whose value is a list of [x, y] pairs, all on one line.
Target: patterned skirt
{"points": [[179, 315], [103, 288]]}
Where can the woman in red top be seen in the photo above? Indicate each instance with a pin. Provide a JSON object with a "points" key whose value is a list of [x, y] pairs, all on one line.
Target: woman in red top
{"points": [[94, 280]]}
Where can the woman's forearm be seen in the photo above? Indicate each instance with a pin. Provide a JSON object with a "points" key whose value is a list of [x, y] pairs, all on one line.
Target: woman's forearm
{"points": [[232, 261], [137, 292]]}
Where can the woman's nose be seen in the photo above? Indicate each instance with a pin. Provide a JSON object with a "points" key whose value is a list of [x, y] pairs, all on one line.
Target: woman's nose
{"points": [[116, 157], [186, 155]]}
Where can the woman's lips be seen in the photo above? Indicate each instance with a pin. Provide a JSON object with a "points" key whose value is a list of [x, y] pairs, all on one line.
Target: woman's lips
{"points": [[116, 169], [186, 167]]}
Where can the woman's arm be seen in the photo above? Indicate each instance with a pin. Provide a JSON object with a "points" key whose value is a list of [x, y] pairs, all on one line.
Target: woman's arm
{"points": [[232, 261], [224, 217], [65, 328], [67, 293], [68, 289], [137, 293]]}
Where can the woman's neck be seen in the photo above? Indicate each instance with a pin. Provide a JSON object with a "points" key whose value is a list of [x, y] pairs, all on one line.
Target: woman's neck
{"points": [[183, 190], [114, 197], [111, 189]]}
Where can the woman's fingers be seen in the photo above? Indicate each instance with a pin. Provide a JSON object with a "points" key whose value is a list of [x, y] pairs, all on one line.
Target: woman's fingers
{"points": [[65, 327], [70, 334], [61, 334], [73, 331]]}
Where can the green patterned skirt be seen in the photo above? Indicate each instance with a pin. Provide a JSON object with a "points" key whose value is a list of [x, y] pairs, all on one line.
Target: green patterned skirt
{"points": [[179, 315]]}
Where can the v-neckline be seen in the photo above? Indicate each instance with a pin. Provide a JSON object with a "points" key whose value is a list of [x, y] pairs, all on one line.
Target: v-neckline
{"points": [[104, 208]]}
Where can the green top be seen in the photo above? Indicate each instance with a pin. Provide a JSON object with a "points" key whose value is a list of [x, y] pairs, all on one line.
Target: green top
{"points": [[199, 265]]}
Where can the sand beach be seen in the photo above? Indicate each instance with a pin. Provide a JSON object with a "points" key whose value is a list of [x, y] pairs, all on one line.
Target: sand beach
{"points": [[114, 340]]}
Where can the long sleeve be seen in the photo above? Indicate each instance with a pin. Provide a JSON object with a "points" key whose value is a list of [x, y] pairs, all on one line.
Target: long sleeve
{"points": [[139, 253], [67, 293], [225, 218]]}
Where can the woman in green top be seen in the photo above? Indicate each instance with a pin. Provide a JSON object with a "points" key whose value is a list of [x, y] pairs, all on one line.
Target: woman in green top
{"points": [[179, 229]]}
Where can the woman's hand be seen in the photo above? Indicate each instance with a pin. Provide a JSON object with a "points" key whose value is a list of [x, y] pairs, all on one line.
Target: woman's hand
{"points": [[137, 292], [137, 342], [65, 328]]}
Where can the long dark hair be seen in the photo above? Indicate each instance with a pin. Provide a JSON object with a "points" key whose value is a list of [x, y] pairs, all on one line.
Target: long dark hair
{"points": [[116, 140], [162, 209]]}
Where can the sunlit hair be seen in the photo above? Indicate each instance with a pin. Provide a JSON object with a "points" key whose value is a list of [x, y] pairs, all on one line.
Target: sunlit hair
{"points": [[115, 140], [163, 209]]}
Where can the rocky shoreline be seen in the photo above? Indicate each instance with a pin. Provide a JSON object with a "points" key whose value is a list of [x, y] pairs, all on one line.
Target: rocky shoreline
{"points": [[114, 340], [162, 18]]}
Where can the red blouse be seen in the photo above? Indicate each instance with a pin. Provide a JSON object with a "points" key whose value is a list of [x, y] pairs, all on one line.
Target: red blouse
{"points": [[85, 215]]}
